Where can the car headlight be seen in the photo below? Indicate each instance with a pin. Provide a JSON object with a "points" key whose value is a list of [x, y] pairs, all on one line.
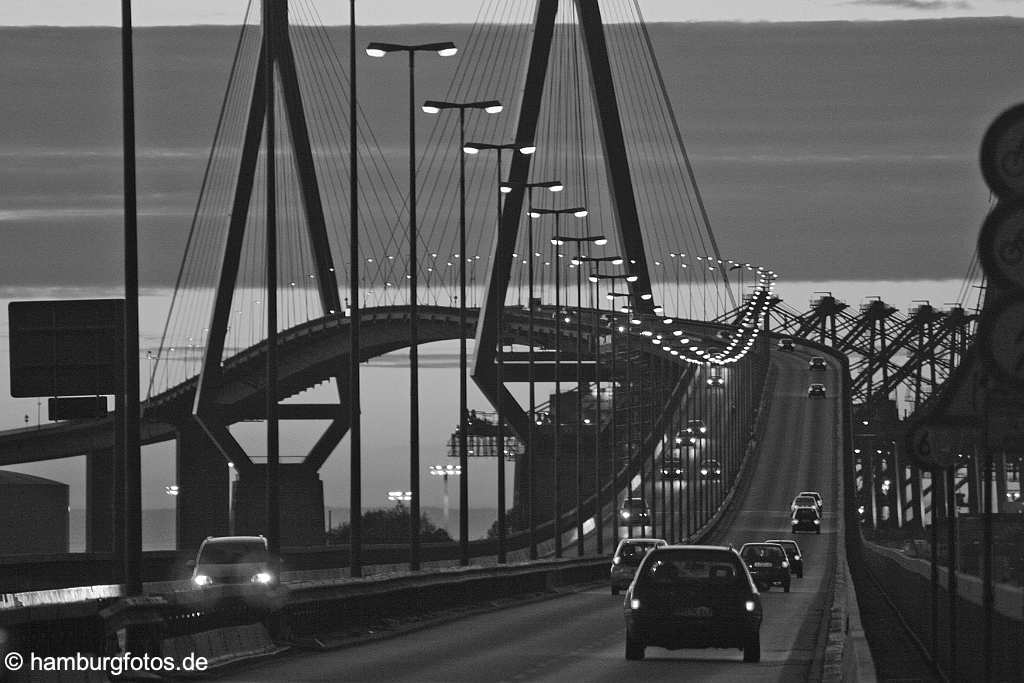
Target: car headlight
{"points": [[634, 604], [625, 514], [617, 560], [703, 430], [202, 580], [785, 564], [796, 557], [817, 522], [749, 605], [703, 471], [263, 578]]}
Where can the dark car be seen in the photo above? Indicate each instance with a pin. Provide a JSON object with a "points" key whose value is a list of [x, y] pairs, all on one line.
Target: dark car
{"points": [[693, 596], [696, 428], [806, 519], [768, 564], [786, 344], [634, 512], [817, 363], [233, 560], [793, 554], [816, 390], [710, 469], [627, 558], [673, 467]]}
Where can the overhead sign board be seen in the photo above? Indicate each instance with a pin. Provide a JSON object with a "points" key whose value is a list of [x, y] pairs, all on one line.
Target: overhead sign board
{"points": [[66, 348]]}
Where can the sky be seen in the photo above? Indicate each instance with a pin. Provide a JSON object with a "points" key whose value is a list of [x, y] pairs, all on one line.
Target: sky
{"points": [[156, 13]]}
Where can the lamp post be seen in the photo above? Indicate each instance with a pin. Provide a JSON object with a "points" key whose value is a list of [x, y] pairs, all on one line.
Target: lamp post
{"points": [[446, 471], [578, 212], [476, 148], [595, 340], [599, 240], [623, 329], [446, 49], [435, 107], [506, 187]]}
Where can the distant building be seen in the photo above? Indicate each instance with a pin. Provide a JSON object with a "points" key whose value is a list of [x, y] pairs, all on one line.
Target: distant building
{"points": [[33, 514]]}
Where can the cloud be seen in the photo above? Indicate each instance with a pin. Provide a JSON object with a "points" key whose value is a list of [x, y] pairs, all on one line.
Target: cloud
{"points": [[920, 5]]}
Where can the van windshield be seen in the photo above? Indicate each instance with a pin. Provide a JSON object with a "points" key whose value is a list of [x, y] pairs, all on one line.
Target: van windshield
{"points": [[235, 552]]}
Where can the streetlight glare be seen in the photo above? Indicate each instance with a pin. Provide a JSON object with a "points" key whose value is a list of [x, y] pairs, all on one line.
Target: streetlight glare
{"points": [[494, 109], [505, 188], [556, 242], [431, 108], [527, 149], [375, 51], [448, 51], [581, 213], [470, 150], [558, 187], [533, 214], [601, 242], [632, 278]]}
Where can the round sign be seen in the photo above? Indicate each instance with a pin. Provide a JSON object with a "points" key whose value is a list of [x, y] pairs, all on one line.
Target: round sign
{"points": [[1002, 154], [1001, 244], [932, 447], [1001, 338]]}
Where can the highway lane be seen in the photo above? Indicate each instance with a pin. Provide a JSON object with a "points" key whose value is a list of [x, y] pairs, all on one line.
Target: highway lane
{"points": [[581, 636]]}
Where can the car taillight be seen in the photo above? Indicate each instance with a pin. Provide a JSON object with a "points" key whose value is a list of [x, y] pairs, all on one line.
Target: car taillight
{"points": [[785, 564], [634, 604], [617, 560], [817, 522], [749, 605], [796, 557]]}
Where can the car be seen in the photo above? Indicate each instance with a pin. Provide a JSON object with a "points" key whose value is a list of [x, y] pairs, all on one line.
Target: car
{"points": [[768, 564], [806, 519], [816, 389], [816, 496], [693, 596], [696, 428], [672, 467], [239, 560], [817, 363], [626, 559], [786, 344], [685, 440], [715, 381], [710, 469], [802, 501], [793, 554], [634, 512]]}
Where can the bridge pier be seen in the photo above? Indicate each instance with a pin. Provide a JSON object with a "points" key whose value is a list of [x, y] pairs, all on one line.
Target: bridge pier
{"points": [[99, 501], [301, 504], [202, 477]]}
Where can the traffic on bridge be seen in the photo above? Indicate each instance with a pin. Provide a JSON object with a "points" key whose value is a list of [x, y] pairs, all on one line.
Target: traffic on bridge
{"points": [[469, 263]]}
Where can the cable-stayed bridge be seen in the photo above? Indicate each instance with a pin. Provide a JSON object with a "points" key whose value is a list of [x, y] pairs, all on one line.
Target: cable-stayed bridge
{"points": [[567, 237]]}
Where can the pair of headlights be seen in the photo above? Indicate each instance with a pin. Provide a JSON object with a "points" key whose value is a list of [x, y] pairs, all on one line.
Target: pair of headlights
{"points": [[261, 578]]}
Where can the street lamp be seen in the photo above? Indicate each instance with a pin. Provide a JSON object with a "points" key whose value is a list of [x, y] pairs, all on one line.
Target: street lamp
{"points": [[435, 107], [578, 212], [624, 329], [599, 240], [446, 471], [445, 49], [400, 496], [505, 188], [596, 340], [172, 490], [527, 149]]}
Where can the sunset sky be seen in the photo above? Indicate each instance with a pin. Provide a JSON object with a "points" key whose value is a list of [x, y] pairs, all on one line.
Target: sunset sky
{"points": [[152, 13]]}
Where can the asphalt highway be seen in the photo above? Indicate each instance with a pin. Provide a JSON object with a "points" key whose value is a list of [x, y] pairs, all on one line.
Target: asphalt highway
{"points": [[581, 636]]}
